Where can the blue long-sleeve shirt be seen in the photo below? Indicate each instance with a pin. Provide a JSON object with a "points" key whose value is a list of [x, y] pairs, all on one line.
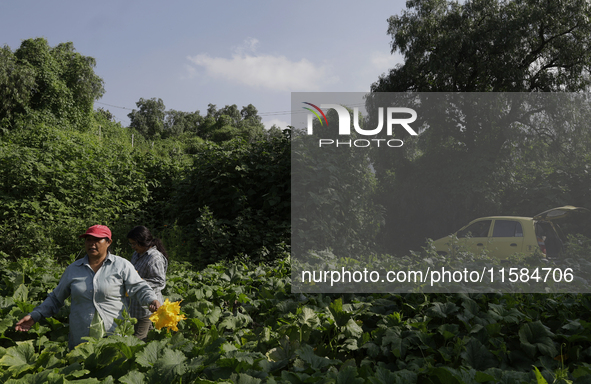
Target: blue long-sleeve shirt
{"points": [[91, 292]]}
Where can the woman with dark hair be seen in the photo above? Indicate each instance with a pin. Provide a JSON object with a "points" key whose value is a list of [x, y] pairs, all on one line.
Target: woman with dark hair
{"points": [[151, 262], [96, 285]]}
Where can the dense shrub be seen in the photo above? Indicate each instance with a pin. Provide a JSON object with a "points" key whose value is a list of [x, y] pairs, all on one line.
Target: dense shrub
{"points": [[235, 200], [56, 183]]}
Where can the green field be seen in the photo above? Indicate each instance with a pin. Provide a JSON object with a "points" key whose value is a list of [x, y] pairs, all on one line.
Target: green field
{"points": [[245, 326]]}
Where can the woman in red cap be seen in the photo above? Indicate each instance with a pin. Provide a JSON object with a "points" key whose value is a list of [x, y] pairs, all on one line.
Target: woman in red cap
{"points": [[97, 285]]}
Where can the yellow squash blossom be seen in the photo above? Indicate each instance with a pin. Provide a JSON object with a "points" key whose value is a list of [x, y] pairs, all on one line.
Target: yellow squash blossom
{"points": [[168, 315]]}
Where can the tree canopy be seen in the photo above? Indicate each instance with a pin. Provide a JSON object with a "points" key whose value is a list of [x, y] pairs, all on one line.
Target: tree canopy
{"points": [[54, 84], [152, 120], [461, 168], [148, 120], [490, 46]]}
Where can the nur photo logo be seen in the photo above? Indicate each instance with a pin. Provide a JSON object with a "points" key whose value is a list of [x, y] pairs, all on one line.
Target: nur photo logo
{"points": [[395, 116]]}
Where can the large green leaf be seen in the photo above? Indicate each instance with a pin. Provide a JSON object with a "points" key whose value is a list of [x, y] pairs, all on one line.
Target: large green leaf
{"points": [[20, 359], [339, 315], [385, 376], [442, 310], [294, 377], [348, 375], [212, 317], [81, 352], [5, 324], [539, 378], [285, 350], [74, 370], [232, 322], [6, 302], [478, 356], [446, 375], [306, 353], [372, 349], [243, 378], [21, 293], [148, 356], [394, 342], [108, 380], [536, 336], [352, 329], [448, 331], [37, 378], [90, 380], [168, 367], [133, 377], [308, 317], [239, 361], [103, 357], [501, 313]]}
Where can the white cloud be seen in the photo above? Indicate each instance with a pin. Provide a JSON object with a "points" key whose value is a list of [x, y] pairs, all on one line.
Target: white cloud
{"points": [[250, 45], [280, 123], [369, 70], [191, 72], [383, 61], [265, 71]]}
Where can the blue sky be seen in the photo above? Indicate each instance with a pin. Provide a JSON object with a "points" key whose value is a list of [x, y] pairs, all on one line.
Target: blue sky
{"points": [[191, 53]]}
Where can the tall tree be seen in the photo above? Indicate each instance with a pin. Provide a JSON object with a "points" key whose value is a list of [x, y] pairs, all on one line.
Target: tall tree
{"points": [[148, 120], [490, 46], [451, 173], [178, 122], [228, 122], [54, 83]]}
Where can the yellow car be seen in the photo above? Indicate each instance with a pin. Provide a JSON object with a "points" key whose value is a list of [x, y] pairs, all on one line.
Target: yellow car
{"points": [[503, 236]]}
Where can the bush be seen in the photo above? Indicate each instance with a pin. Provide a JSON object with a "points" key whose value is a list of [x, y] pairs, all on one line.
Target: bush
{"points": [[235, 201], [56, 183]]}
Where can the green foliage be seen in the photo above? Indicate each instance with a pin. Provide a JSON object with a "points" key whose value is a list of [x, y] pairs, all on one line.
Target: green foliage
{"points": [[16, 80], [235, 200], [39, 83], [490, 46], [333, 195], [149, 119], [56, 183], [457, 170], [125, 325], [473, 159], [162, 172], [152, 121], [244, 325], [228, 123], [178, 122]]}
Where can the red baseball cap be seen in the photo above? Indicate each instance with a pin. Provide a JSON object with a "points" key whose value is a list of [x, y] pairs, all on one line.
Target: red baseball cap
{"points": [[99, 231]]}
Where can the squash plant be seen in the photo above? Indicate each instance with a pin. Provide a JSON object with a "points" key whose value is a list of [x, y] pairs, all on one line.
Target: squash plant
{"points": [[244, 325]]}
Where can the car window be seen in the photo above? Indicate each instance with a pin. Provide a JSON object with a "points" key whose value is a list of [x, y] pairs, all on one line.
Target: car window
{"points": [[477, 229], [507, 228]]}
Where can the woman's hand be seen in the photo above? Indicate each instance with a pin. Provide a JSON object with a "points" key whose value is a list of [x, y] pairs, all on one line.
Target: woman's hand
{"points": [[27, 322], [154, 305]]}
